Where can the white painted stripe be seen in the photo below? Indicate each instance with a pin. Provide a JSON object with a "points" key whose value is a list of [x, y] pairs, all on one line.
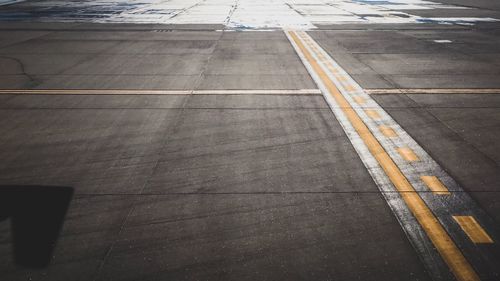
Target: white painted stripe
{"points": [[431, 91], [158, 92], [90, 92], [258, 92]]}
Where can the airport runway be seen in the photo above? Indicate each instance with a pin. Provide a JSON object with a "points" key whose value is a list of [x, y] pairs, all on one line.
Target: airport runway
{"points": [[346, 147]]}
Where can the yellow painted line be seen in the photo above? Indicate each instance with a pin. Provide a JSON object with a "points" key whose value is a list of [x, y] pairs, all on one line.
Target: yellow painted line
{"points": [[359, 100], [332, 68], [453, 257], [472, 228], [407, 154], [373, 114], [435, 185], [350, 88], [387, 131], [341, 78]]}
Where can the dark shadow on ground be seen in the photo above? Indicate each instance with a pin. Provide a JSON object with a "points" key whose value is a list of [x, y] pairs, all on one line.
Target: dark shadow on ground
{"points": [[36, 215]]}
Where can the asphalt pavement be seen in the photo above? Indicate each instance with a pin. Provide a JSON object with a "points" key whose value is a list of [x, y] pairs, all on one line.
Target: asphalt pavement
{"points": [[223, 160]]}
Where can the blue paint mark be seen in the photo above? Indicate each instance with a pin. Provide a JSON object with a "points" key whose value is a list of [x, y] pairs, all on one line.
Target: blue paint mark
{"points": [[448, 22]]}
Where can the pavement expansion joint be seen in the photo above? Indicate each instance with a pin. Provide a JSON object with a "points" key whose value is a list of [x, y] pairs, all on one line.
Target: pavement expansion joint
{"points": [[412, 183]]}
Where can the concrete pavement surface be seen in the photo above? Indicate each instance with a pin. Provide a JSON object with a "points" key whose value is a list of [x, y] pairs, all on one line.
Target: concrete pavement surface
{"points": [[240, 140]]}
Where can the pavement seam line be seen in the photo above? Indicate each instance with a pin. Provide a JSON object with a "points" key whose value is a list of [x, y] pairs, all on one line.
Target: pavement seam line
{"points": [[435, 231]]}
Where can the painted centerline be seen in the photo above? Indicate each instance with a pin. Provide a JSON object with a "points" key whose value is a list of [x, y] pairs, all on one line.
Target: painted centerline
{"points": [[391, 159]]}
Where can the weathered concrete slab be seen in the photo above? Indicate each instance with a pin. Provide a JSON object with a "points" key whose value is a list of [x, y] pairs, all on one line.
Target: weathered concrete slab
{"points": [[127, 59], [258, 236], [415, 58], [91, 150], [278, 168]]}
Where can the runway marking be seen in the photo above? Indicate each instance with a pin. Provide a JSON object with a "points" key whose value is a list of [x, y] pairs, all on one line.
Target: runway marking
{"points": [[472, 228], [407, 154], [373, 114], [431, 91], [416, 213], [359, 100], [155, 92], [435, 185], [349, 88], [387, 131], [258, 92], [341, 78]]}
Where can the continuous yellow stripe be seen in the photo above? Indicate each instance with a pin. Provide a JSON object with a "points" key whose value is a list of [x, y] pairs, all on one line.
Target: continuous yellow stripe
{"points": [[472, 228], [458, 264]]}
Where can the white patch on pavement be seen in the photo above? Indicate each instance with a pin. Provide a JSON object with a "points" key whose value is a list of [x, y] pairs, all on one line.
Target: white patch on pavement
{"points": [[237, 14], [443, 41]]}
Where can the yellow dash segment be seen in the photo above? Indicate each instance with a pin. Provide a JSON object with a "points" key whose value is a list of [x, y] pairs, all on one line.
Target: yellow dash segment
{"points": [[472, 228], [387, 131], [373, 114], [359, 100], [407, 154], [332, 69], [341, 78], [350, 88], [435, 185], [453, 257]]}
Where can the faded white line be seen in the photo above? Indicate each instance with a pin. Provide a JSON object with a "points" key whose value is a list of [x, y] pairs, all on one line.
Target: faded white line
{"points": [[157, 92], [431, 91]]}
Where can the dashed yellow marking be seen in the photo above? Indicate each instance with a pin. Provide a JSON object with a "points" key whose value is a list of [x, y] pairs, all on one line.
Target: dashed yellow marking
{"points": [[435, 185], [373, 114], [359, 100], [350, 88], [472, 228], [453, 257], [341, 78], [387, 131], [407, 154], [333, 70]]}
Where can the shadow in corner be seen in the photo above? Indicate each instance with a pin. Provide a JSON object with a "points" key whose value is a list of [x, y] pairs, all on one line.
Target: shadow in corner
{"points": [[37, 215]]}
